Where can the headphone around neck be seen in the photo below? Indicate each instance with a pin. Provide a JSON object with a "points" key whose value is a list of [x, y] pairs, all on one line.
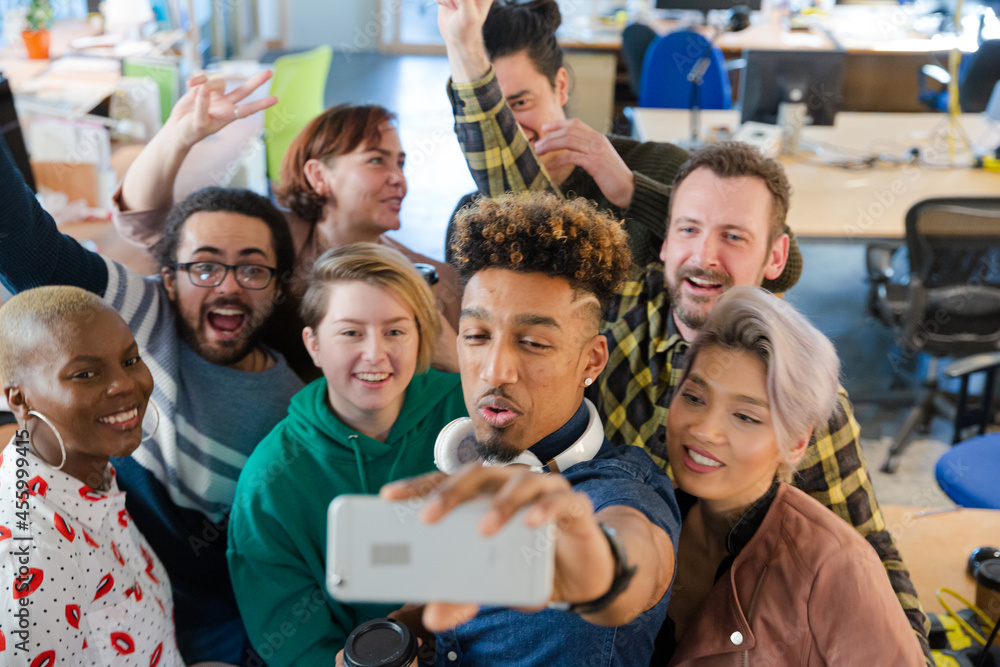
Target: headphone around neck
{"points": [[456, 446]]}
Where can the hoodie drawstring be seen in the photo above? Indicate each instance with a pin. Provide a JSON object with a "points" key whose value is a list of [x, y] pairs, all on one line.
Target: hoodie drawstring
{"points": [[399, 457], [353, 439]]}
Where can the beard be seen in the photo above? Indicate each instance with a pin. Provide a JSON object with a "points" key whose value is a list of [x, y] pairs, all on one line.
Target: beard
{"points": [[223, 353], [493, 449], [694, 318]]}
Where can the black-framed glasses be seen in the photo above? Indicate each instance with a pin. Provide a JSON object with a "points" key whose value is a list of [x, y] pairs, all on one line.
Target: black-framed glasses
{"points": [[210, 274]]}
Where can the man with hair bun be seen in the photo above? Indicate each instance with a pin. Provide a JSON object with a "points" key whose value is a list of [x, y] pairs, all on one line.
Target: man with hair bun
{"points": [[507, 51], [508, 89], [536, 270]]}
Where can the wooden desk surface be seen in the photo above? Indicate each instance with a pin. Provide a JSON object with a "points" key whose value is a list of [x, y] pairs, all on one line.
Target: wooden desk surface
{"points": [[936, 548], [858, 29], [831, 202]]}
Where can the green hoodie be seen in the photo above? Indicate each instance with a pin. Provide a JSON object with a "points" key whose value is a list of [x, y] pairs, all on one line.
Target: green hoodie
{"points": [[277, 529]]}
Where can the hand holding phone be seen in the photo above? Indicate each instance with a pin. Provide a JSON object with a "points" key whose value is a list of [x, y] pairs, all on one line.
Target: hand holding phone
{"points": [[380, 551], [584, 564]]}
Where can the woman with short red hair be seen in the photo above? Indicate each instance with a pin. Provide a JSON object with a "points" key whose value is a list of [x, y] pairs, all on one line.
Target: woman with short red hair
{"points": [[342, 182]]}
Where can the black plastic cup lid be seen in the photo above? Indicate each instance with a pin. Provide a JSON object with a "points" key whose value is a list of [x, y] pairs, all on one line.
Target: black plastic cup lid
{"points": [[988, 574], [979, 556], [381, 642]]}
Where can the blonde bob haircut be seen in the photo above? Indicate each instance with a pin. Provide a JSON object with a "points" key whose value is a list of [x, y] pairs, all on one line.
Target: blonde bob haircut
{"points": [[30, 325], [803, 370], [379, 266]]}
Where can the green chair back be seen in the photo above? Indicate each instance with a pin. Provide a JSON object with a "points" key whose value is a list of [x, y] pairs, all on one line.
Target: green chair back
{"points": [[299, 83]]}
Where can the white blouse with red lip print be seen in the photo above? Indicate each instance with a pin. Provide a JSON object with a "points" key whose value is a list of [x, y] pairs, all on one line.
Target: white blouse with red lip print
{"points": [[80, 584]]}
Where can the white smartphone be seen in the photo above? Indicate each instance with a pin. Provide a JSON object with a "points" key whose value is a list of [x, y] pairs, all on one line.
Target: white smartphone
{"points": [[379, 551]]}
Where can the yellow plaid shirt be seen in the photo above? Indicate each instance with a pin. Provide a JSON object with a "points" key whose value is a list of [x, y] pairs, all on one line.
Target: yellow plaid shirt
{"points": [[633, 396], [633, 393]]}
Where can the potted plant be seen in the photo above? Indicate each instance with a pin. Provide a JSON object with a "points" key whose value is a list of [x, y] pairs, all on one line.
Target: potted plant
{"points": [[38, 21]]}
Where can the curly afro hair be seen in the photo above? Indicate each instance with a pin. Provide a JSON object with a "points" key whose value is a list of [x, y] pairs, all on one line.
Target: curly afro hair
{"points": [[542, 233]]}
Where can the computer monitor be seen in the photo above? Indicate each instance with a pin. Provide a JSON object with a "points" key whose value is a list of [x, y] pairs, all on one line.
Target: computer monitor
{"points": [[11, 130], [706, 5], [772, 77]]}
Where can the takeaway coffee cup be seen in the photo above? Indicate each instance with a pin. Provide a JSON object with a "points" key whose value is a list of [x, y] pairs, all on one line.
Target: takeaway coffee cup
{"points": [[988, 588], [382, 642]]}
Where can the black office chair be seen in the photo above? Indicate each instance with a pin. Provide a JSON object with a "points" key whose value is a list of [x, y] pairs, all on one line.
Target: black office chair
{"points": [[636, 39], [978, 74], [948, 307]]}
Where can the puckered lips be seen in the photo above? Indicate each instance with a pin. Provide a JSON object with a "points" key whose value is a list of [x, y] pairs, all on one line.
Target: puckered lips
{"points": [[122, 419], [372, 379], [700, 461], [497, 412], [227, 321]]}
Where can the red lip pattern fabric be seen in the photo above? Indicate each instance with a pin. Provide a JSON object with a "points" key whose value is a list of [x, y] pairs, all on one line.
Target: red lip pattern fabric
{"points": [[154, 659], [46, 659], [25, 585], [88, 493], [64, 528], [149, 565], [73, 615], [122, 643], [88, 606], [38, 486], [103, 588], [90, 540]]}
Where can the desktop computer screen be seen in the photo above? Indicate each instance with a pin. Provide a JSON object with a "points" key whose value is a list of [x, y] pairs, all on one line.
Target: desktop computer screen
{"points": [[11, 130], [772, 77], [706, 5]]}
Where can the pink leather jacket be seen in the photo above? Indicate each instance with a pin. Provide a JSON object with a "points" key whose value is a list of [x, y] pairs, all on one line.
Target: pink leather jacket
{"points": [[806, 590]]}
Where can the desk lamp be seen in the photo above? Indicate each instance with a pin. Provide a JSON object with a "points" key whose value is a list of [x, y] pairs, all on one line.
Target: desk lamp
{"points": [[739, 19], [955, 130]]}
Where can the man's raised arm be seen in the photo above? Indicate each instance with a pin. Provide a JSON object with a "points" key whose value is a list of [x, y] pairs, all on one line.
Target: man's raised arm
{"points": [[497, 151], [32, 250]]}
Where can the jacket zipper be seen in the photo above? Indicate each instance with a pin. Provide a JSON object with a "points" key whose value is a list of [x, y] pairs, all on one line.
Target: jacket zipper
{"points": [[753, 602]]}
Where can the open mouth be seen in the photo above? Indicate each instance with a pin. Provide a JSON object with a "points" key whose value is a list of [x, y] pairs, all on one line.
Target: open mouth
{"points": [[394, 203], [227, 321], [702, 285], [122, 421], [700, 462], [373, 380]]}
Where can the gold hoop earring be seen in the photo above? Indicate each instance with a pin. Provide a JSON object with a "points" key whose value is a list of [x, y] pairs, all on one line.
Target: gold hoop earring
{"points": [[156, 428], [62, 445]]}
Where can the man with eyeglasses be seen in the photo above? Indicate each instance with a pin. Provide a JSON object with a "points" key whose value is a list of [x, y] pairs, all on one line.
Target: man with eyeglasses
{"points": [[224, 257]]}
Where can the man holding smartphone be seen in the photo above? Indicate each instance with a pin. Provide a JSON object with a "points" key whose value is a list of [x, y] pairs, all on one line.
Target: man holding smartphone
{"points": [[536, 272]]}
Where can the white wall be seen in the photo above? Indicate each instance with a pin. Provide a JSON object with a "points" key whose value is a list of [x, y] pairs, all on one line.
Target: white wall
{"points": [[343, 24]]}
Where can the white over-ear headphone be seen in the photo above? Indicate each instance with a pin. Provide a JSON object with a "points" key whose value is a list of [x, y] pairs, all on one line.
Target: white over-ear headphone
{"points": [[456, 446]]}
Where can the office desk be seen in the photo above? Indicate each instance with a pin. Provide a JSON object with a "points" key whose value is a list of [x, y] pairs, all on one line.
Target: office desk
{"points": [[884, 52], [858, 29], [830, 202], [936, 548]]}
